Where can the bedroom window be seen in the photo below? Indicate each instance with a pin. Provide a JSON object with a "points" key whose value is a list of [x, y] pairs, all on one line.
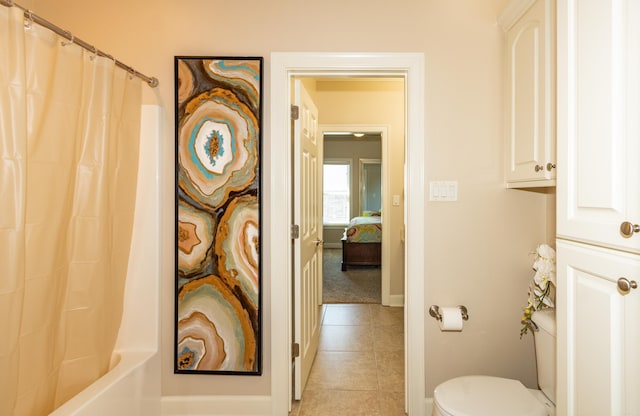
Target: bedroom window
{"points": [[336, 194]]}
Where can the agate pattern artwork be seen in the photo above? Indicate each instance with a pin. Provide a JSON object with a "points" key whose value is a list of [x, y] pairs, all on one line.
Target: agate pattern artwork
{"points": [[218, 274]]}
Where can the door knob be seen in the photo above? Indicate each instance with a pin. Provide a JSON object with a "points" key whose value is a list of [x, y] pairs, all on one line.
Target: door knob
{"points": [[538, 168], [551, 166], [319, 242], [625, 285], [627, 229]]}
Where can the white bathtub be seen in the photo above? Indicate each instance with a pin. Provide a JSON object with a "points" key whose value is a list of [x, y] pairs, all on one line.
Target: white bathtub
{"points": [[132, 386]]}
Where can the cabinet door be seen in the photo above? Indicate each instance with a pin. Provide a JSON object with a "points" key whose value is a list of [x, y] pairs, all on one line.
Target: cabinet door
{"points": [[598, 332], [530, 128], [598, 135]]}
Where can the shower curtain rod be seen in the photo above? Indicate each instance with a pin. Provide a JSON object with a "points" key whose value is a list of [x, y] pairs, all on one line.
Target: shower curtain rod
{"points": [[152, 81]]}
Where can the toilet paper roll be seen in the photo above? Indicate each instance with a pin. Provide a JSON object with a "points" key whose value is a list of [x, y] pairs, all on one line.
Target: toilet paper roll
{"points": [[451, 319]]}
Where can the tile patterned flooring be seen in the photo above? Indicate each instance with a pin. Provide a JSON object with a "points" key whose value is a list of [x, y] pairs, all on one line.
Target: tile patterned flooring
{"points": [[359, 368]]}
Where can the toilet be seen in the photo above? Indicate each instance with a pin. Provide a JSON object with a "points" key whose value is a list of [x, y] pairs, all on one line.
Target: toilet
{"points": [[495, 396]]}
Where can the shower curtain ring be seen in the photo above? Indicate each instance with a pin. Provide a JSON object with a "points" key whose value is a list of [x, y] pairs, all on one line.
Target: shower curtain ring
{"points": [[69, 36], [95, 53], [29, 21]]}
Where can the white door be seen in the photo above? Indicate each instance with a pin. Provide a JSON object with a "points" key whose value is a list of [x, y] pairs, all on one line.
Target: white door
{"points": [[308, 246], [598, 331], [598, 122]]}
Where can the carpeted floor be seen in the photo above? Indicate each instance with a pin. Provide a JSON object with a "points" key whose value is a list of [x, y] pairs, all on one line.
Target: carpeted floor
{"points": [[359, 284]]}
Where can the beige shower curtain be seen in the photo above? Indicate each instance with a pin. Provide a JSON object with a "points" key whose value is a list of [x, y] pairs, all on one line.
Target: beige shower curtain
{"points": [[69, 136]]}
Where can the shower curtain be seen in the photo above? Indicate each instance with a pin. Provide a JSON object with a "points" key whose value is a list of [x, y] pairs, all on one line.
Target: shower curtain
{"points": [[69, 136]]}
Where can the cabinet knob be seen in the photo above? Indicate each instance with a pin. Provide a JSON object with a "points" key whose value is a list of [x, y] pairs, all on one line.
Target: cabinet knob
{"points": [[538, 168], [625, 286], [551, 166], [627, 229]]}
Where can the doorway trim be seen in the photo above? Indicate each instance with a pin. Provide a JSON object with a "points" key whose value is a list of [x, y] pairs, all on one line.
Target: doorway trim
{"points": [[284, 66], [387, 300]]}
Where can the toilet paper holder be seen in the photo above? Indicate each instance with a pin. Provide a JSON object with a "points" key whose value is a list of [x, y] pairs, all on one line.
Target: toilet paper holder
{"points": [[434, 311]]}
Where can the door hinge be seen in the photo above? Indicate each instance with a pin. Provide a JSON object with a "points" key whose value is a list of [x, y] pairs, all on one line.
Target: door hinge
{"points": [[295, 112], [295, 350], [295, 231]]}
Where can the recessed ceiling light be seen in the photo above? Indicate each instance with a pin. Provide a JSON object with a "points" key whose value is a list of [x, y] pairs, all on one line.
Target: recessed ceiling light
{"points": [[358, 134]]}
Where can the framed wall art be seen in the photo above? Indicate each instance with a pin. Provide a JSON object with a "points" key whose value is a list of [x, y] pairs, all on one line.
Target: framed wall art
{"points": [[218, 215]]}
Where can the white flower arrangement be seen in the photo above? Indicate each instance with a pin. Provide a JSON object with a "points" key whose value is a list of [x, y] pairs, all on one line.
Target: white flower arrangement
{"points": [[542, 287]]}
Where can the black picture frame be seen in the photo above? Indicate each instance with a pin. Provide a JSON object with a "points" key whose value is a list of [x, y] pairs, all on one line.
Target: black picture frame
{"points": [[218, 221]]}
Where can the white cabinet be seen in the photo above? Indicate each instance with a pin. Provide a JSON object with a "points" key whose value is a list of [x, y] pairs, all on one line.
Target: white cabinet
{"points": [[598, 119], [598, 331], [598, 189], [530, 153]]}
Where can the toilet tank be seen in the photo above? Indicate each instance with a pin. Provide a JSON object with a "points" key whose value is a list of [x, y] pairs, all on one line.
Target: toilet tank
{"points": [[545, 343]]}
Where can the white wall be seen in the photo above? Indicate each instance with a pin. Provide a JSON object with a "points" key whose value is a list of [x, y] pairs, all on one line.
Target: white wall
{"points": [[477, 248]]}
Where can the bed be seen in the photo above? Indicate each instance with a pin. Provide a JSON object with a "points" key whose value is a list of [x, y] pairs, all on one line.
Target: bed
{"points": [[361, 242]]}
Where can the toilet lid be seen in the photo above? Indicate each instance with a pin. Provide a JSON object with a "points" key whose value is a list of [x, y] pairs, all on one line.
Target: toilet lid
{"points": [[486, 396]]}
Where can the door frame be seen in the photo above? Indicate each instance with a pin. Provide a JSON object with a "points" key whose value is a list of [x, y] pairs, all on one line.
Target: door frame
{"points": [[387, 300], [284, 66]]}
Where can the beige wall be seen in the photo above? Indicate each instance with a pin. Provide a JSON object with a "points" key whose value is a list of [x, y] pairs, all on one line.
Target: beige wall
{"points": [[477, 248]]}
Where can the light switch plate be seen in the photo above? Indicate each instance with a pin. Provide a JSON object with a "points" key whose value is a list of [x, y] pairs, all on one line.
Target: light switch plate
{"points": [[443, 191]]}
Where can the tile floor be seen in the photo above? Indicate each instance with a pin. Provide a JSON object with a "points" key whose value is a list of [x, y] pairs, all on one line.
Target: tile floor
{"points": [[359, 369]]}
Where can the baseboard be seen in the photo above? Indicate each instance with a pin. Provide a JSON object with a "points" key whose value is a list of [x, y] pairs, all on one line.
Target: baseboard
{"points": [[332, 245], [216, 405], [428, 405], [396, 300]]}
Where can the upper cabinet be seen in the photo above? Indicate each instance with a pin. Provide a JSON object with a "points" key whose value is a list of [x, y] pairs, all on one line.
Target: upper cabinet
{"points": [[598, 197], [530, 129]]}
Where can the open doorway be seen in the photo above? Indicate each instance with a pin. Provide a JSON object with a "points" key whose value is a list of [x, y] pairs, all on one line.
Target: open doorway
{"points": [[359, 233], [359, 359], [366, 159], [284, 66]]}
